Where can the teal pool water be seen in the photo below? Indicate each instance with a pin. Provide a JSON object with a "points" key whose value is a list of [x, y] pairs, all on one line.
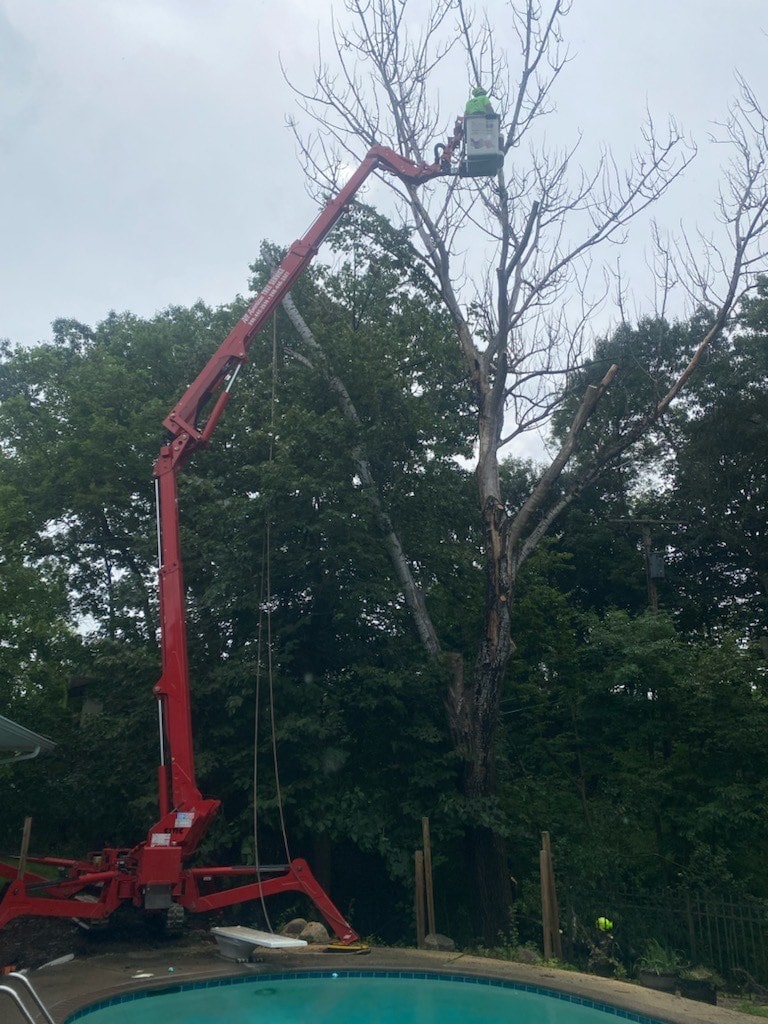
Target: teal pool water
{"points": [[352, 997]]}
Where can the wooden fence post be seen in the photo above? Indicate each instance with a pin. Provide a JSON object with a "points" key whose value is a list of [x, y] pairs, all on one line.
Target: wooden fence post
{"points": [[546, 911], [428, 876], [25, 836], [550, 912], [419, 898]]}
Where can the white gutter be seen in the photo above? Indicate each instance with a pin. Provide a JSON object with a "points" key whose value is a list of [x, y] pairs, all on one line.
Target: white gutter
{"points": [[21, 743]]}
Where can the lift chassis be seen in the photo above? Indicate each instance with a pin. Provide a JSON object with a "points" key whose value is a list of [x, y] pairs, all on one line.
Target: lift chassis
{"points": [[156, 874]]}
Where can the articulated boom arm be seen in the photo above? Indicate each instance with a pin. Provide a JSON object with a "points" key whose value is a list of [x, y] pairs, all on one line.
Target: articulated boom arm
{"points": [[156, 874], [189, 429], [183, 422]]}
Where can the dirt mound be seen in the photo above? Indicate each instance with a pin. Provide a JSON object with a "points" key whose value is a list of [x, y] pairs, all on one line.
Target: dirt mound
{"points": [[32, 941], [29, 942]]}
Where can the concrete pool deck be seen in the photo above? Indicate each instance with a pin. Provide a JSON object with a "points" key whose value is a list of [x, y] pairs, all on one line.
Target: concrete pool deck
{"points": [[68, 987]]}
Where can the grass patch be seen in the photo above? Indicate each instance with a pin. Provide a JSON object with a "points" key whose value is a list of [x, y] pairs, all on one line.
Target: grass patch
{"points": [[754, 1009]]}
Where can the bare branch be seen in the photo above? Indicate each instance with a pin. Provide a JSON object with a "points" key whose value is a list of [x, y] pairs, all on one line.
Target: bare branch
{"points": [[414, 596], [543, 489]]}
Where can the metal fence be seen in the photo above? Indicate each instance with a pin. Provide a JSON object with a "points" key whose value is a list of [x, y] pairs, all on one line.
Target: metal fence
{"points": [[725, 932]]}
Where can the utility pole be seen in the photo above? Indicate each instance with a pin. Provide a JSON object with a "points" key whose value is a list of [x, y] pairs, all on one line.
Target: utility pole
{"points": [[654, 560], [650, 577]]}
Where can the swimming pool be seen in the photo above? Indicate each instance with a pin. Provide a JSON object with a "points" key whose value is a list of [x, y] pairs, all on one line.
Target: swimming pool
{"points": [[356, 997]]}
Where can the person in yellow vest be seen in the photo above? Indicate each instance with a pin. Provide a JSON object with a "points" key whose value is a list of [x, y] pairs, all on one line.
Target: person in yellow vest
{"points": [[478, 103]]}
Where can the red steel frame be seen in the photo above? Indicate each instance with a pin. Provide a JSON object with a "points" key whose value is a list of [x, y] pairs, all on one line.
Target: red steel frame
{"points": [[155, 873]]}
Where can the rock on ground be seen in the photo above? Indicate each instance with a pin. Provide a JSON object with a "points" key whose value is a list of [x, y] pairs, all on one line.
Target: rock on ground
{"points": [[294, 928], [315, 933]]}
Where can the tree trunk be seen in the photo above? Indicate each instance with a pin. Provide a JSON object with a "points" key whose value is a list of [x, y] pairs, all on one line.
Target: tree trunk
{"points": [[490, 885], [473, 725], [473, 714]]}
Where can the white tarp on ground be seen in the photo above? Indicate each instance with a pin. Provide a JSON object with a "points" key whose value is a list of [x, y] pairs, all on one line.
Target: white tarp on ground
{"points": [[20, 744]]}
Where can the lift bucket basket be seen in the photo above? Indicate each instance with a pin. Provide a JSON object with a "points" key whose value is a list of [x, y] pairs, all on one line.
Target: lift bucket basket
{"points": [[483, 155]]}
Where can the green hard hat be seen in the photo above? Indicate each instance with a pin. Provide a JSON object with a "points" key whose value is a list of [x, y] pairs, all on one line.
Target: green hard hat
{"points": [[479, 91]]}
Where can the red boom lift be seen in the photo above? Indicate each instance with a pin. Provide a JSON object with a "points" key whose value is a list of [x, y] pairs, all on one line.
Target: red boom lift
{"points": [[156, 874]]}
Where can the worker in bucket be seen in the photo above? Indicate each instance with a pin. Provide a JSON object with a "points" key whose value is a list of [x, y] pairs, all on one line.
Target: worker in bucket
{"points": [[481, 131], [478, 103]]}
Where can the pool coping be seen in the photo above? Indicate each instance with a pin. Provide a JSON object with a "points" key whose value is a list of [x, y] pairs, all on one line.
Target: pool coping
{"points": [[71, 987]]}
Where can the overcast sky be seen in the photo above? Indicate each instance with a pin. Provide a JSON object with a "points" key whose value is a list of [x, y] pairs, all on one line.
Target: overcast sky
{"points": [[144, 153]]}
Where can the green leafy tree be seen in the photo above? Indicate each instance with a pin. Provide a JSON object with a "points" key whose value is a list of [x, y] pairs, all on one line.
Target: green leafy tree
{"points": [[281, 553], [343, 641], [719, 490]]}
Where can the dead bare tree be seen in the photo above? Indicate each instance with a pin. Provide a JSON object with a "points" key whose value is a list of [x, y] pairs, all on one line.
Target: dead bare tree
{"points": [[530, 239]]}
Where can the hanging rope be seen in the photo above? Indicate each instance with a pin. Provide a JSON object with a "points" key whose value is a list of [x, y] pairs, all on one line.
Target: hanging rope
{"points": [[265, 617], [257, 859]]}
